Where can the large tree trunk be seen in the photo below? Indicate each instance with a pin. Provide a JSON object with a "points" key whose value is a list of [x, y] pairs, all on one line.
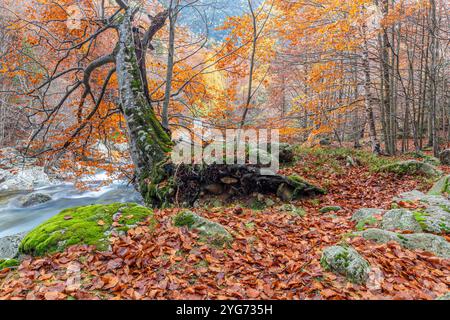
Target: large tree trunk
{"points": [[149, 142]]}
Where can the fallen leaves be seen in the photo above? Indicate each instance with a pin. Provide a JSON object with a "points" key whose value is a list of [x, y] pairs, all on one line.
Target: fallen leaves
{"points": [[278, 258]]}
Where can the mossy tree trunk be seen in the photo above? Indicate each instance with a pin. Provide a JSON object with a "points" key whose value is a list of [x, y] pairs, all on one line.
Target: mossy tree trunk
{"points": [[149, 142]]}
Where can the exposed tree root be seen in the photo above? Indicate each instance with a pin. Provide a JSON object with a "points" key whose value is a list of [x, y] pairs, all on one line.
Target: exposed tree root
{"points": [[185, 184]]}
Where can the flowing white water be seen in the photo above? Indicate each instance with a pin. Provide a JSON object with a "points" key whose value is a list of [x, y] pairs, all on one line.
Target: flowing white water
{"points": [[14, 219]]}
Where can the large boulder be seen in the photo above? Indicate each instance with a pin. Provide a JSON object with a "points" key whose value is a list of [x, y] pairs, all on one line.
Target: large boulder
{"points": [[412, 167], [347, 262], [91, 225], [209, 231], [400, 219], [25, 180], [445, 157], [34, 199], [9, 246], [417, 241]]}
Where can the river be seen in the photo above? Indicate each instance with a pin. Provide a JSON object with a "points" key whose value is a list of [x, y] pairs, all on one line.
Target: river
{"points": [[14, 219]]}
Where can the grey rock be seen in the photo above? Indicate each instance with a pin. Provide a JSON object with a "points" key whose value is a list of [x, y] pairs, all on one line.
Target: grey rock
{"points": [[5, 175], [436, 201], [9, 246], [427, 199], [417, 241], [209, 231], [34, 200], [366, 213], [400, 219], [347, 262], [293, 210]]}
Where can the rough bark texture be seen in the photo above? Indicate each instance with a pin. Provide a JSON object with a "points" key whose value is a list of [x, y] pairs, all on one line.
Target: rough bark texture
{"points": [[149, 142]]}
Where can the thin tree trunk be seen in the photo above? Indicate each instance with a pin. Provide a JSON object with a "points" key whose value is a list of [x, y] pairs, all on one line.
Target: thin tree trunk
{"points": [[368, 99]]}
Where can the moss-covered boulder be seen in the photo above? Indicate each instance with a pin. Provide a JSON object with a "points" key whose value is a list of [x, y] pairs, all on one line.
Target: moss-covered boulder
{"points": [[91, 225], [412, 167], [417, 241], [8, 263], [347, 262], [441, 187], [400, 219], [209, 231]]}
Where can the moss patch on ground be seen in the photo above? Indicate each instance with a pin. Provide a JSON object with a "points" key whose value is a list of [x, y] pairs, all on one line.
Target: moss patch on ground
{"points": [[91, 225], [334, 157]]}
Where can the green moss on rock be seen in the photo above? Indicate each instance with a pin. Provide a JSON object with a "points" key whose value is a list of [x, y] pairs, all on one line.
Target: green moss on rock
{"points": [[89, 225], [8, 263], [400, 219], [367, 222], [347, 262], [412, 167], [210, 232]]}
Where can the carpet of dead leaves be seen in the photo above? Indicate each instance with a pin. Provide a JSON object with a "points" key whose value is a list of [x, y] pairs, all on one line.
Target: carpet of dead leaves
{"points": [[274, 256]]}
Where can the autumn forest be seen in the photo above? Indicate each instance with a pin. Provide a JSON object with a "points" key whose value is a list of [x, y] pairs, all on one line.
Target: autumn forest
{"points": [[335, 115]]}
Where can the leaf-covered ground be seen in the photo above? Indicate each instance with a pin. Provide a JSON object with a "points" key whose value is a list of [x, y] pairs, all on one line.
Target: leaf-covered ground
{"points": [[275, 255]]}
